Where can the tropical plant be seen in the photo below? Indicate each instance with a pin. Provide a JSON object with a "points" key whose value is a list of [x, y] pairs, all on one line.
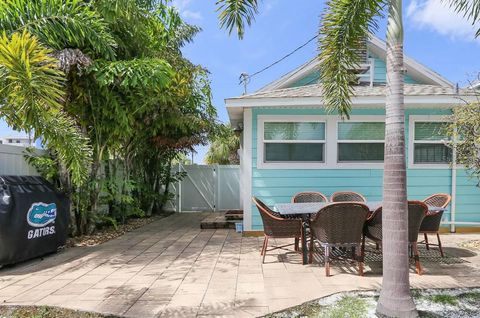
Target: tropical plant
{"points": [[223, 148], [344, 27], [32, 88], [60, 24], [464, 133], [114, 69]]}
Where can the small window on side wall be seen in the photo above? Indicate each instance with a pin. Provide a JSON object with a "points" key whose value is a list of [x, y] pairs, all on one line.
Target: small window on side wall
{"points": [[429, 143], [361, 142], [294, 142]]}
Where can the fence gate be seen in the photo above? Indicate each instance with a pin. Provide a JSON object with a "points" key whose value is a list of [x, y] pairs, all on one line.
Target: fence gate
{"points": [[207, 188]]}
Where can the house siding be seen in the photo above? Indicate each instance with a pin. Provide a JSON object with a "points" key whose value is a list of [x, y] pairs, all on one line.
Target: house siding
{"points": [[380, 72], [379, 77], [279, 185]]}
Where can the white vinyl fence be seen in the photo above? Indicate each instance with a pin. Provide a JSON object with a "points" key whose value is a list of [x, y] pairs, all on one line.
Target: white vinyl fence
{"points": [[12, 161], [207, 188], [204, 188]]}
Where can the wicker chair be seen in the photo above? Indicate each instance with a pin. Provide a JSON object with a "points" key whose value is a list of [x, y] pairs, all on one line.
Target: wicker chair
{"points": [[346, 196], [306, 197], [277, 227], [339, 225], [431, 223], [416, 213]]}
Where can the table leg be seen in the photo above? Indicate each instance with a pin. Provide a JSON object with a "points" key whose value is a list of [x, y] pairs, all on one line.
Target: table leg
{"points": [[304, 242]]}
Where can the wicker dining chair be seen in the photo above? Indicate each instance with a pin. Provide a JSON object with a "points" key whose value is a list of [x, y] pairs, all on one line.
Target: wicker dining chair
{"points": [[416, 213], [275, 226], [339, 225], [431, 223], [344, 196], [307, 197]]}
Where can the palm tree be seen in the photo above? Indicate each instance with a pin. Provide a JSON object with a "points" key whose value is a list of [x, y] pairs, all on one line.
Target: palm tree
{"points": [[345, 26], [31, 88], [224, 147], [34, 50]]}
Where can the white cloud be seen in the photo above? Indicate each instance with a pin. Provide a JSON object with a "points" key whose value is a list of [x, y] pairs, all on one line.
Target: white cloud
{"points": [[437, 16], [181, 4], [182, 7], [192, 15]]}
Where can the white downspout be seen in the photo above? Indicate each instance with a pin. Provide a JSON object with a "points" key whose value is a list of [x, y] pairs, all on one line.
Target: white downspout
{"points": [[454, 185], [454, 193]]}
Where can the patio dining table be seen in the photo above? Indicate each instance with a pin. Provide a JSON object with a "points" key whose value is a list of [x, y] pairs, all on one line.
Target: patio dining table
{"points": [[305, 210]]}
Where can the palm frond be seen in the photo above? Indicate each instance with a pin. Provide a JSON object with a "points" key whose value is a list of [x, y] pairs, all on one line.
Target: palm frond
{"points": [[346, 24], [470, 9], [236, 14], [59, 24], [32, 88], [148, 72]]}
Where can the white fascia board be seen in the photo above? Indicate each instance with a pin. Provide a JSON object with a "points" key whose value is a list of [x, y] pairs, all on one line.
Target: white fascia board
{"points": [[357, 102]]}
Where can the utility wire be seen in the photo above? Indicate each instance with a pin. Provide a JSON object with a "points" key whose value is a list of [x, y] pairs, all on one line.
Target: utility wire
{"points": [[283, 58], [245, 78]]}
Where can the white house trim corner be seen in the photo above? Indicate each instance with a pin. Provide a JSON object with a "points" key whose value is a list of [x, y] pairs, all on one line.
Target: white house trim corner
{"points": [[247, 169]]}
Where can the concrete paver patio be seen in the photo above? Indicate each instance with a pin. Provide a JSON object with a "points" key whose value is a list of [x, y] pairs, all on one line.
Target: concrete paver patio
{"points": [[171, 268]]}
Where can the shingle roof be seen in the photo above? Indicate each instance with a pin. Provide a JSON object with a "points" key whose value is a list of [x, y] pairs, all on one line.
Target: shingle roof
{"points": [[316, 91]]}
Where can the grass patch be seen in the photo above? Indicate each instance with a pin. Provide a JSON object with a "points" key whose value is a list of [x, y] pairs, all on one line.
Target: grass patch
{"points": [[347, 306], [433, 303], [46, 312], [473, 296], [443, 299]]}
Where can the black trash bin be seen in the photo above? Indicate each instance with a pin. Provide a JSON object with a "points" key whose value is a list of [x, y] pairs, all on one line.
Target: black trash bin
{"points": [[33, 218]]}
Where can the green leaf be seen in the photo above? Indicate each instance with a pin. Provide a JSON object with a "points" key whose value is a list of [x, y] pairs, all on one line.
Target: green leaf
{"points": [[59, 24], [235, 14]]}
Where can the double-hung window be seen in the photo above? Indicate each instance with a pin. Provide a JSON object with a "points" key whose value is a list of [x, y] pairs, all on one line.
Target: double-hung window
{"points": [[360, 142], [293, 141], [429, 143]]}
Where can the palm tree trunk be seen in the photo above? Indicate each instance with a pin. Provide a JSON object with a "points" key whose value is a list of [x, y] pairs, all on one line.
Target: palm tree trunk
{"points": [[395, 298]]}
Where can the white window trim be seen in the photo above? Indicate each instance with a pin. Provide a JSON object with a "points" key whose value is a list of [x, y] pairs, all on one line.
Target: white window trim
{"points": [[411, 140], [358, 119], [331, 142], [261, 119]]}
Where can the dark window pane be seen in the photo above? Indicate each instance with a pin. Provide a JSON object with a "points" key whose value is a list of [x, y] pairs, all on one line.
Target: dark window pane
{"points": [[284, 152], [294, 131], [430, 131], [361, 131], [351, 152], [432, 153]]}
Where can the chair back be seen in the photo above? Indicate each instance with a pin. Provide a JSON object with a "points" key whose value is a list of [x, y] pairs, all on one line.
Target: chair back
{"points": [[431, 222], [441, 200], [340, 223], [307, 197], [347, 196], [416, 212], [274, 225], [373, 226]]}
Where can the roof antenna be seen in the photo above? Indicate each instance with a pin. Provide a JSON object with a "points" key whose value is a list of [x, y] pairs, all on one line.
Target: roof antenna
{"points": [[244, 79]]}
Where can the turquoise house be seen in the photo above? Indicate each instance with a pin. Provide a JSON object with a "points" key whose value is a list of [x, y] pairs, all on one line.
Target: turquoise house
{"points": [[290, 144]]}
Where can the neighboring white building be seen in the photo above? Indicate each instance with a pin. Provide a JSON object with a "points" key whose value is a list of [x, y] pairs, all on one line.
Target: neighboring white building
{"points": [[23, 141]]}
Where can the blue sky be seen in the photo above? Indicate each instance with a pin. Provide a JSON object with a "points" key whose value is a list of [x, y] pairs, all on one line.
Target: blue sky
{"points": [[434, 36]]}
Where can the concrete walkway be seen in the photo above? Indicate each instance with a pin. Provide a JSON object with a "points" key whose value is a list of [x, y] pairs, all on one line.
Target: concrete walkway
{"points": [[172, 268]]}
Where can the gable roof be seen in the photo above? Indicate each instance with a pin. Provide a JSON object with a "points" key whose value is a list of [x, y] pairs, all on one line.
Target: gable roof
{"points": [[375, 46]]}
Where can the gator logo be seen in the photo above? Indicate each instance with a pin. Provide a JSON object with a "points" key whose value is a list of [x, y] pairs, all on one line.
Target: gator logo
{"points": [[41, 214]]}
